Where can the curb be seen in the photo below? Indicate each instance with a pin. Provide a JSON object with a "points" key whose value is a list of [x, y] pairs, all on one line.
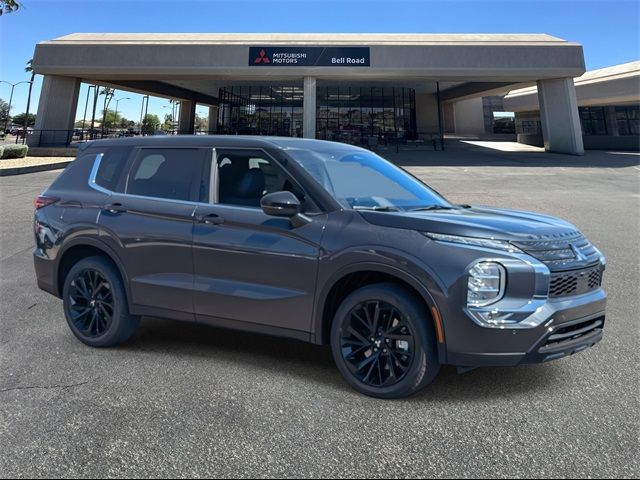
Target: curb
{"points": [[5, 172]]}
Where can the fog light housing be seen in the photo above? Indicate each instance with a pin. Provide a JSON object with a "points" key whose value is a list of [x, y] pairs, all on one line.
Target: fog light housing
{"points": [[486, 284]]}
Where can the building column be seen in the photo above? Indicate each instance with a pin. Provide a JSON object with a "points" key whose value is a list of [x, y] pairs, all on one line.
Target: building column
{"points": [[56, 112], [187, 117], [309, 108], [213, 120], [561, 129]]}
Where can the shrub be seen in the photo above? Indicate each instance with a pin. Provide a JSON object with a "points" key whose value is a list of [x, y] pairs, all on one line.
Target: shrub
{"points": [[14, 151], [1, 150]]}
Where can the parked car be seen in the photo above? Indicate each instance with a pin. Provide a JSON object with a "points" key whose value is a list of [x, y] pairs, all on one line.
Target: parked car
{"points": [[316, 241]]}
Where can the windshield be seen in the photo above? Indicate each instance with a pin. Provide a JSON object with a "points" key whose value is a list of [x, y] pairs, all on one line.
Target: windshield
{"points": [[363, 180]]}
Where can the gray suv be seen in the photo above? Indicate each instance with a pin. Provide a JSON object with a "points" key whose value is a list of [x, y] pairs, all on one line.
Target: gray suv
{"points": [[317, 241]]}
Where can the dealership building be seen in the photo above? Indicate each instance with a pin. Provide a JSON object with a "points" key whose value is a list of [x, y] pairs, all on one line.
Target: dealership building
{"points": [[343, 87], [608, 107]]}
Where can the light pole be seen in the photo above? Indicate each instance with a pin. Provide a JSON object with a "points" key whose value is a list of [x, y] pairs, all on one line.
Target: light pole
{"points": [[145, 100], [13, 85], [116, 115], [86, 104]]}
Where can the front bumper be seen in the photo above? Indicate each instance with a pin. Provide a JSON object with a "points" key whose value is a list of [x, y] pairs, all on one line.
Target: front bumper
{"points": [[571, 325]]}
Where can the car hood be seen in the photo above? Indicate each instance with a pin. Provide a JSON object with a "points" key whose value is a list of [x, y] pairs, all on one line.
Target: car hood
{"points": [[482, 222]]}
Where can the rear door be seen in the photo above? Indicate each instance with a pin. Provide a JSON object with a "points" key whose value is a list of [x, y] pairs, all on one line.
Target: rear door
{"points": [[150, 223], [251, 267]]}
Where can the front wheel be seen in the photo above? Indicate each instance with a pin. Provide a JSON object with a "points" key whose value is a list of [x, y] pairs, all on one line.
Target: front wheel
{"points": [[95, 303], [383, 342]]}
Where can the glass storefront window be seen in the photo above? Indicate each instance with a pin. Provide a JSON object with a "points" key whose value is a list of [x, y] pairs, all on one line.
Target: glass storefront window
{"points": [[345, 114], [628, 118], [356, 115], [260, 110], [592, 120]]}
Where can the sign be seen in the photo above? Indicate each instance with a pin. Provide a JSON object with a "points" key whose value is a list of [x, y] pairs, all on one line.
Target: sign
{"points": [[309, 56]]}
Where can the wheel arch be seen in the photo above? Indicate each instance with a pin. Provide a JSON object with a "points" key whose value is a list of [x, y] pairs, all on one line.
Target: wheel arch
{"points": [[85, 247], [348, 279]]}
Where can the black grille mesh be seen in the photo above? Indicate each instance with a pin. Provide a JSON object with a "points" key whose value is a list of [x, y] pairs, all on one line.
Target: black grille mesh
{"points": [[575, 282]]}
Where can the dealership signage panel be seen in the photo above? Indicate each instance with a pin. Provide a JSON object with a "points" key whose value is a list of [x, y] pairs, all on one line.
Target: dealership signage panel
{"points": [[309, 56]]}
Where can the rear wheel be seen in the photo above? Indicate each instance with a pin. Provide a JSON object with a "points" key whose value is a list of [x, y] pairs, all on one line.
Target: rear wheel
{"points": [[383, 342], [95, 303]]}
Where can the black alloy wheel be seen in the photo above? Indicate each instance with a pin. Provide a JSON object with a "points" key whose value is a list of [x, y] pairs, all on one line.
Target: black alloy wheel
{"points": [[377, 345], [383, 341], [91, 303]]}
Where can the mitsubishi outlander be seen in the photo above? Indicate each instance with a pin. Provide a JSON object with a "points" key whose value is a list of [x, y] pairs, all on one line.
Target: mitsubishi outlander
{"points": [[317, 241]]}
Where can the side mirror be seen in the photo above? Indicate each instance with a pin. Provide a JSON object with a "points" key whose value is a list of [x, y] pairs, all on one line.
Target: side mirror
{"points": [[280, 204]]}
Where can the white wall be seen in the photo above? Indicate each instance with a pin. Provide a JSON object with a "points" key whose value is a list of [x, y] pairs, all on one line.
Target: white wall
{"points": [[469, 117]]}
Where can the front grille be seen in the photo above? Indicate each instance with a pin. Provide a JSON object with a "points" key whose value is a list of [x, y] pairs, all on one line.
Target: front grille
{"points": [[572, 332], [575, 282], [561, 254]]}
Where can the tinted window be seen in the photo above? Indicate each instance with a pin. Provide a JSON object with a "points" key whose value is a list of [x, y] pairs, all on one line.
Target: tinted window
{"points": [[361, 179], [176, 173], [244, 177], [112, 167]]}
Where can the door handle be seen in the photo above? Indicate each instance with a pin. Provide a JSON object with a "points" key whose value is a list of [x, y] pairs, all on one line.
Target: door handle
{"points": [[115, 208], [210, 219]]}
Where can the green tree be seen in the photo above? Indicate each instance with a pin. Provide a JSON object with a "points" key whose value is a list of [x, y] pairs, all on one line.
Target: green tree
{"points": [[21, 119], [202, 123], [8, 6], [111, 120], [4, 112], [150, 124]]}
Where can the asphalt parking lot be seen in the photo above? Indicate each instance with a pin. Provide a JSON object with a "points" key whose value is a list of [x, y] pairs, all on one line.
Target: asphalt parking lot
{"points": [[185, 400]]}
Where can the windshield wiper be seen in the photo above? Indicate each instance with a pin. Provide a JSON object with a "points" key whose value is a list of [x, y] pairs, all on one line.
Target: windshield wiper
{"points": [[431, 207], [377, 208]]}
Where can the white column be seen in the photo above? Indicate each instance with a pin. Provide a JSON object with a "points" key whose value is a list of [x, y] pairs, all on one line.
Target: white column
{"points": [[559, 116], [56, 111], [309, 108], [187, 117]]}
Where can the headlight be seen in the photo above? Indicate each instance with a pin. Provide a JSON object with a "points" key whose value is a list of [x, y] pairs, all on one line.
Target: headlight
{"points": [[485, 284], [477, 242]]}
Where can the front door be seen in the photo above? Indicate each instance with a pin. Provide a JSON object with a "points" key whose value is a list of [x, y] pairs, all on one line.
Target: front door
{"points": [[251, 267]]}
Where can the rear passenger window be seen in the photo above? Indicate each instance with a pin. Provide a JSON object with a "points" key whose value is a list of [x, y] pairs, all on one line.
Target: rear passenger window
{"points": [[112, 167], [175, 173]]}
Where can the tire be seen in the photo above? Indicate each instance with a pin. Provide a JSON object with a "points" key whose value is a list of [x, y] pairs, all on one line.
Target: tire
{"points": [[399, 361], [95, 303]]}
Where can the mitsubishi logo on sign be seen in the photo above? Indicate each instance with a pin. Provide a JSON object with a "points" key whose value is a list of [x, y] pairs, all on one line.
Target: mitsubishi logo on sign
{"points": [[262, 57]]}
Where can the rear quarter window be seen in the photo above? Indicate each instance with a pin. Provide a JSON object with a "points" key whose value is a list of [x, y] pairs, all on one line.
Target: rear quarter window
{"points": [[112, 168]]}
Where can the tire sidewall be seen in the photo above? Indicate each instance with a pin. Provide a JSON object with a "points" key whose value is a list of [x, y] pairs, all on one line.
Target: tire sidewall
{"points": [[424, 365]]}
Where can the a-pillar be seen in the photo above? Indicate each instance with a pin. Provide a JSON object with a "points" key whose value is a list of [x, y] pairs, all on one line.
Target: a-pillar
{"points": [[187, 117], [56, 112], [309, 108], [559, 116]]}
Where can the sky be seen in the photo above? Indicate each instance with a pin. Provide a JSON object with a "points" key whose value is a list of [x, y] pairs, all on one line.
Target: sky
{"points": [[607, 29]]}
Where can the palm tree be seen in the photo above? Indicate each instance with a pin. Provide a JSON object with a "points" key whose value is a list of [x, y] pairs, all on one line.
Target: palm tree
{"points": [[8, 6], [29, 69], [108, 95]]}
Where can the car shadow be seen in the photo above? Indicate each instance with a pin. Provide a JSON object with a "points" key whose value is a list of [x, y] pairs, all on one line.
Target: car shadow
{"points": [[315, 363]]}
